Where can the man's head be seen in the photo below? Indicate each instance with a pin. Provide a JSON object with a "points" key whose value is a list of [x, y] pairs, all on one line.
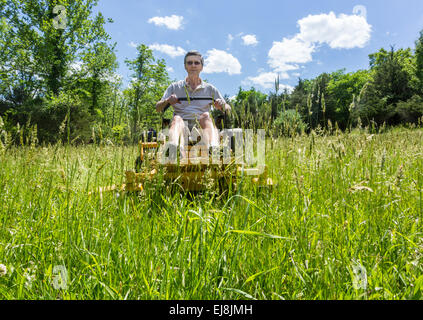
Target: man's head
{"points": [[194, 54]]}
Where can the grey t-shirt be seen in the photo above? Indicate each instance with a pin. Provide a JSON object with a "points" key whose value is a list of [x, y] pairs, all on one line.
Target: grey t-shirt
{"points": [[191, 108]]}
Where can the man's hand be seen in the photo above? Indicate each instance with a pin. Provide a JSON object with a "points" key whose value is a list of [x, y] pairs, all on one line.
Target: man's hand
{"points": [[221, 105], [173, 99], [163, 104]]}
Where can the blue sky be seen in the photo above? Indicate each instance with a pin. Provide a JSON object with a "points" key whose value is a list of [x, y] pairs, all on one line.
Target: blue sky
{"points": [[248, 43]]}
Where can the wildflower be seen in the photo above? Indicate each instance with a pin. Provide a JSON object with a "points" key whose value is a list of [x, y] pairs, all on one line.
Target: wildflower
{"points": [[29, 279], [3, 270], [345, 225]]}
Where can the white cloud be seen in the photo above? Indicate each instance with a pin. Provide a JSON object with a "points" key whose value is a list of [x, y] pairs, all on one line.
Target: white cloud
{"points": [[391, 34], [289, 88], [344, 31], [250, 40], [112, 77], [133, 44], [168, 49], [288, 51], [170, 69], [172, 22], [76, 67], [266, 80], [221, 61]]}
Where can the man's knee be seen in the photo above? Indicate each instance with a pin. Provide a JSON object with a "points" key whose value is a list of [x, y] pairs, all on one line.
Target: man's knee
{"points": [[177, 120], [176, 126], [205, 116], [205, 119]]}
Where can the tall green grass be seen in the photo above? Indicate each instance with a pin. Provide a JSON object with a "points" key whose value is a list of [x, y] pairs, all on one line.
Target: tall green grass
{"points": [[339, 201]]}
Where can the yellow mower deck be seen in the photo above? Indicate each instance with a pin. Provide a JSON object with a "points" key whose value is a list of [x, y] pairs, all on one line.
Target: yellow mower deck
{"points": [[193, 174]]}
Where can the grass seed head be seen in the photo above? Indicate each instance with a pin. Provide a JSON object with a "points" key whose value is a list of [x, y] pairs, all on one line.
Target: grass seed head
{"points": [[3, 270]]}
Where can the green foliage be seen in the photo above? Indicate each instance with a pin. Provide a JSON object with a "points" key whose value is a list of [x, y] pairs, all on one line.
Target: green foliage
{"points": [[300, 94], [419, 63], [289, 123], [45, 51], [340, 92], [65, 118], [250, 108], [3, 136], [390, 83], [149, 81], [327, 97], [411, 111], [36, 59], [100, 63], [392, 73]]}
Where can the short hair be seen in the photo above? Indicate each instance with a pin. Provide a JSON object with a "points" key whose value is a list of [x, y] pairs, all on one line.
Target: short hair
{"points": [[194, 53]]}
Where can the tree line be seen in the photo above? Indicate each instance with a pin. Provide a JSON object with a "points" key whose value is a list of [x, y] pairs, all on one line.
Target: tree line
{"points": [[58, 82], [63, 81], [389, 93]]}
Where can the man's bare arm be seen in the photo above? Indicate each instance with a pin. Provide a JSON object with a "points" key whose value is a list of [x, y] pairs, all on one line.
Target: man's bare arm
{"points": [[162, 104]]}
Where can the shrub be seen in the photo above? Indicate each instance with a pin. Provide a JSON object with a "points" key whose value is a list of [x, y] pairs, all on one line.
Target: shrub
{"points": [[411, 110], [289, 122]]}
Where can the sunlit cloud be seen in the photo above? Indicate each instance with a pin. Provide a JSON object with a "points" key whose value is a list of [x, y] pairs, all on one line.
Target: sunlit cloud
{"points": [[338, 32], [171, 51], [249, 40], [267, 80], [172, 22], [220, 61]]}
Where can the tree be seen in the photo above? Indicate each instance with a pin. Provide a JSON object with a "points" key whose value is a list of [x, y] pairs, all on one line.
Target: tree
{"points": [[37, 54], [340, 92], [392, 73], [250, 107], [100, 61], [319, 90], [53, 47], [299, 96], [390, 82], [419, 63], [149, 80]]}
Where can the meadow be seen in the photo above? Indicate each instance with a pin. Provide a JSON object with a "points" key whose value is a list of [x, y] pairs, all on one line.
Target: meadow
{"points": [[343, 221]]}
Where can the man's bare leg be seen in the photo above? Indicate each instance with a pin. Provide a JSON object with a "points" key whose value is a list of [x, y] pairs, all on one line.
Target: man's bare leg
{"points": [[176, 134], [210, 137], [210, 133]]}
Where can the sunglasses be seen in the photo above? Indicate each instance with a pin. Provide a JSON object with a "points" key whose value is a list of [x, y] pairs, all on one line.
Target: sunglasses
{"points": [[193, 62]]}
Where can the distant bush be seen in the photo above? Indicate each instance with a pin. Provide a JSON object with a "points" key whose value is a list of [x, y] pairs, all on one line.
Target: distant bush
{"points": [[411, 110], [53, 116], [289, 122]]}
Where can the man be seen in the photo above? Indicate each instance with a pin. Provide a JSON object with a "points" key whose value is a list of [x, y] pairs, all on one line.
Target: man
{"points": [[191, 99]]}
